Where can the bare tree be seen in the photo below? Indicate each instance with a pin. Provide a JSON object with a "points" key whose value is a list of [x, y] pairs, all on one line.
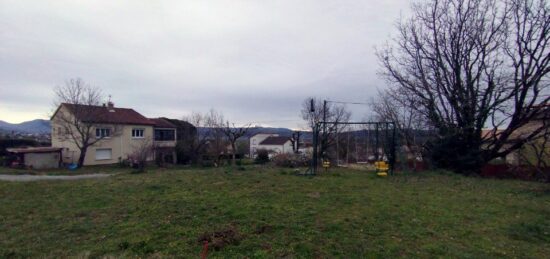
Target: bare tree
{"points": [[391, 106], [209, 138], [331, 112], [217, 143], [468, 64], [78, 113], [199, 142], [233, 133], [142, 151]]}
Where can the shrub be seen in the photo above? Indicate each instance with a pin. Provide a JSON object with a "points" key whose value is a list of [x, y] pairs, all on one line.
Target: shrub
{"points": [[142, 150], [207, 163], [123, 162], [262, 156], [290, 160]]}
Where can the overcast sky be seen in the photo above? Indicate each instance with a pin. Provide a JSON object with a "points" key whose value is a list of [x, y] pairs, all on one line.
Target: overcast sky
{"points": [[255, 61]]}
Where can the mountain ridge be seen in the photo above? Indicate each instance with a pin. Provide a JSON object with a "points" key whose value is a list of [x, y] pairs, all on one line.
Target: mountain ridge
{"points": [[32, 126], [43, 126]]}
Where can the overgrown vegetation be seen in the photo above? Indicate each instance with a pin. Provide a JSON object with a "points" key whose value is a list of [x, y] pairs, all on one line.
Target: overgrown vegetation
{"points": [[291, 160], [262, 212]]}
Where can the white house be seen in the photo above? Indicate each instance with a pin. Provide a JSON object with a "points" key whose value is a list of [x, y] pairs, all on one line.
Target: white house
{"points": [[273, 143]]}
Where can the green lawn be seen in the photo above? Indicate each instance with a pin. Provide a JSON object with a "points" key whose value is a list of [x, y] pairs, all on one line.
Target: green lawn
{"points": [[261, 212]]}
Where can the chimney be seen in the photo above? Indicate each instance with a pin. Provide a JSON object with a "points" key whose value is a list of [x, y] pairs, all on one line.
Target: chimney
{"points": [[111, 106]]}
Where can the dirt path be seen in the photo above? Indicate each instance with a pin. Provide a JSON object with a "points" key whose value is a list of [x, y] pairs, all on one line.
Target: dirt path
{"points": [[29, 178]]}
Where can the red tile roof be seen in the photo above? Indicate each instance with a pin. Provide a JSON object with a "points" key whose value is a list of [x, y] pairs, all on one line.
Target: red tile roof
{"points": [[275, 141], [162, 123], [103, 114]]}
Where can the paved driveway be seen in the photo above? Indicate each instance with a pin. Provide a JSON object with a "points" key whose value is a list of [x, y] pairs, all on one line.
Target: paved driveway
{"points": [[29, 178]]}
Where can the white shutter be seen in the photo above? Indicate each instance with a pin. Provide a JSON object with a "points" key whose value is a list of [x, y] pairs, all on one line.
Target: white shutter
{"points": [[103, 154]]}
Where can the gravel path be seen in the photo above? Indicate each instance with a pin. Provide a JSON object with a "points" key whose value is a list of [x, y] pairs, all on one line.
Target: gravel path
{"points": [[29, 178]]}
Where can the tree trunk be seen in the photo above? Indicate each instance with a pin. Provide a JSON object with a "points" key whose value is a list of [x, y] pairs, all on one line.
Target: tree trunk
{"points": [[81, 157], [233, 158]]}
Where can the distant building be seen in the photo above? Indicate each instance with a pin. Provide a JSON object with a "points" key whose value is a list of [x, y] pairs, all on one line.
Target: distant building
{"points": [[273, 143], [526, 154]]}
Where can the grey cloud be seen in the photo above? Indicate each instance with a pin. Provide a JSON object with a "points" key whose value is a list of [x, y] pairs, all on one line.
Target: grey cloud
{"points": [[252, 60]]}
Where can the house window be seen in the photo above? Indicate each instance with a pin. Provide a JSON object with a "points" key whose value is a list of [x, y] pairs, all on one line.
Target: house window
{"points": [[253, 141], [137, 133], [165, 135], [102, 132], [103, 154]]}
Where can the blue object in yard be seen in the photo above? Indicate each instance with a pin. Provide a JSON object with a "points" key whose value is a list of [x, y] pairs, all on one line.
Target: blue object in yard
{"points": [[72, 166]]}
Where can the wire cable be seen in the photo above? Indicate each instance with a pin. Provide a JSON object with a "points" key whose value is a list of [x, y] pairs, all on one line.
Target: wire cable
{"points": [[342, 102]]}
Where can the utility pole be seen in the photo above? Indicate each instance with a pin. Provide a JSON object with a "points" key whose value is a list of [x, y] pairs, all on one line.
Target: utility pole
{"points": [[315, 151], [376, 154], [296, 139], [313, 169], [337, 146], [324, 140]]}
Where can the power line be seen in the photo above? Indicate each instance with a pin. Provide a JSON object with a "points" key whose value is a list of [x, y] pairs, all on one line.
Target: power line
{"points": [[342, 102]]}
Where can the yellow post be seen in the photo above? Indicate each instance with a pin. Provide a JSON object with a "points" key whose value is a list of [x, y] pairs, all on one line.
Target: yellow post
{"points": [[326, 165], [382, 168]]}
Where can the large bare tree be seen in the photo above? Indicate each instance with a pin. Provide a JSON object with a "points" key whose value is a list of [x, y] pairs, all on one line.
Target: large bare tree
{"points": [[79, 118], [470, 64]]}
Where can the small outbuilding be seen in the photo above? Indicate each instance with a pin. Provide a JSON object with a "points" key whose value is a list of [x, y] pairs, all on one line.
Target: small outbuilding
{"points": [[37, 157]]}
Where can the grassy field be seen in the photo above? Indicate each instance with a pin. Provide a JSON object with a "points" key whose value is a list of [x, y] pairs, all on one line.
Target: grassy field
{"points": [[262, 212]]}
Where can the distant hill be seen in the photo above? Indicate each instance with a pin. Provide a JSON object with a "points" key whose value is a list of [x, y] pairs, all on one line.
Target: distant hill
{"points": [[43, 126], [34, 126], [252, 131]]}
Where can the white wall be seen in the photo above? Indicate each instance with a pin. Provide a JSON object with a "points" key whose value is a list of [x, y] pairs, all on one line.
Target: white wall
{"points": [[121, 143], [274, 149], [256, 140], [279, 149], [42, 160]]}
